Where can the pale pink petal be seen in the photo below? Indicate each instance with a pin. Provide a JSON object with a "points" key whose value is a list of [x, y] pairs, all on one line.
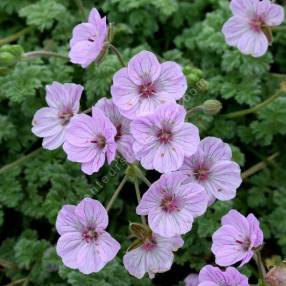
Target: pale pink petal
{"points": [[68, 247], [55, 141], [107, 246], [94, 16], [82, 32], [88, 259], [256, 234], [94, 165], [124, 147], [91, 213], [171, 82], [67, 220], [192, 280], [135, 262], [83, 53], [215, 149], [274, 15], [244, 8], [144, 68]]}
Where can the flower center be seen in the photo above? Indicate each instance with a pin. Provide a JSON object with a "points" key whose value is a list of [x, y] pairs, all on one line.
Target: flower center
{"points": [[92, 39], [149, 244], [147, 89], [100, 141], [90, 235], [119, 132], [65, 117], [244, 244], [164, 136], [201, 174], [169, 204]]}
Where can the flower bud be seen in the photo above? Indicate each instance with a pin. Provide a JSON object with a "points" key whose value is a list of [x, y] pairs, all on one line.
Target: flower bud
{"points": [[10, 55], [276, 276], [6, 59], [193, 74], [211, 106]]}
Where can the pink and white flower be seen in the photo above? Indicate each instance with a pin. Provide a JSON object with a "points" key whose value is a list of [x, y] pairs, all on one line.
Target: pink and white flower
{"points": [[88, 40], [90, 140], [84, 244], [171, 206], [212, 168], [237, 239], [249, 29], [154, 255], [123, 137], [51, 122], [163, 139], [213, 276], [145, 84]]}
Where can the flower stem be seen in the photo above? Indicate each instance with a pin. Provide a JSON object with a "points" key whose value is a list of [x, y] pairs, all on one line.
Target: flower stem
{"points": [[14, 37], [36, 54], [139, 199], [116, 193], [142, 177], [118, 54], [19, 161], [195, 109], [260, 265], [16, 282], [258, 167], [279, 28], [256, 108]]}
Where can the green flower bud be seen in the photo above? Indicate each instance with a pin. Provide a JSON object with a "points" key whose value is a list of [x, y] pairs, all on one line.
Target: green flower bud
{"points": [[211, 106], [202, 85], [16, 50], [6, 59]]}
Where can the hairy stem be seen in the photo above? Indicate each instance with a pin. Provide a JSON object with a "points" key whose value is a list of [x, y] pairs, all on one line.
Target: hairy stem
{"points": [[256, 108], [36, 54], [258, 167], [19, 161], [14, 37], [116, 193], [138, 195], [118, 54], [260, 265]]}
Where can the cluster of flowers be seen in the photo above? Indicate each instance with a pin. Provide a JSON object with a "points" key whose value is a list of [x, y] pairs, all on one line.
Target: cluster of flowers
{"points": [[142, 122]]}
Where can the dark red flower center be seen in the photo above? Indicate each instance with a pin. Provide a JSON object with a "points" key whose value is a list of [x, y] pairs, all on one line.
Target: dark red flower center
{"points": [[65, 117], [119, 132], [147, 89], [149, 244], [164, 136], [169, 204], [201, 174], [244, 244], [90, 235], [100, 141]]}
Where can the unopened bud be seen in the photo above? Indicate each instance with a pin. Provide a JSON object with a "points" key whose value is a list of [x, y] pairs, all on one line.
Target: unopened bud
{"points": [[211, 106], [10, 55], [6, 59], [139, 230], [192, 74], [202, 85], [276, 276]]}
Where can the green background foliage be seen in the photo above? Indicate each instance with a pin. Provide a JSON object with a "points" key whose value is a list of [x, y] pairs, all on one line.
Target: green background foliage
{"points": [[188, 32]]}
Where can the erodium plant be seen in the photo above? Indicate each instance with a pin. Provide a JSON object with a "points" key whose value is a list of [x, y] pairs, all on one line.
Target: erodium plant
{"points": [[144, 123]]}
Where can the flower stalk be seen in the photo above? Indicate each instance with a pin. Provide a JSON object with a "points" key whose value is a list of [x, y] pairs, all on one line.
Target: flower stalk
{"points": [[260, 266], [118, 54], [15, 36], [36, 54], [138, 195]]}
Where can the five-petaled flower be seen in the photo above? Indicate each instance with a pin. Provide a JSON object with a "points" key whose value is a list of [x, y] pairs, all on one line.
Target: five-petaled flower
{"points": [[213, 276], [153, 254], [90, 140], [211, 167], [84, 244], [249, 29], [171, 206], [163, 139], [123, 137], [88, 40], [145, 84], [51, 122], [237, 239]]}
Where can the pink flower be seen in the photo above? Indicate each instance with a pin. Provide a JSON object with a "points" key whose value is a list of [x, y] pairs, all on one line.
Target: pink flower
{"points": [[171, 206], [145, 84], [249, 29], [236, 239], [192, 280], [163, 139], [154, 255], [51, 122], [212, 168], [123, 137], [91, 140], [213, 276], [88, 40], [84, 244]]}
